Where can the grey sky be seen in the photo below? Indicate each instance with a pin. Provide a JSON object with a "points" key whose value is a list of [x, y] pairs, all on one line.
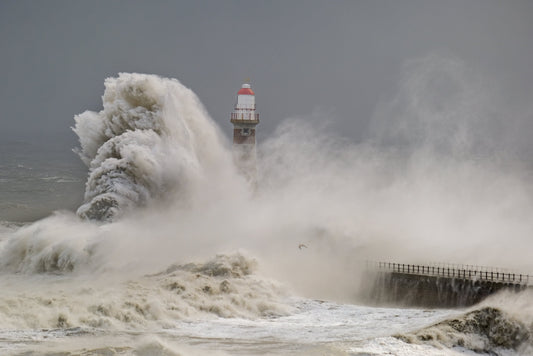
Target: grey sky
{"points": [[340, 57]]}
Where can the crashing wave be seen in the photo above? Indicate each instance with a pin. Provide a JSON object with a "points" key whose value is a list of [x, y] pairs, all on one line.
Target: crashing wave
{"points": [[152, 137], [57, 244], [225, 286], [222, 266], [485, 330]]}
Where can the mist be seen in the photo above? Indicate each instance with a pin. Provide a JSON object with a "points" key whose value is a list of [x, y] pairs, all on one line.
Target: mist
{"points": [[439, 179]]}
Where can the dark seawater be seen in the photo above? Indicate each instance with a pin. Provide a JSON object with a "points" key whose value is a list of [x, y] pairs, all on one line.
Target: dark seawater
{"points": [[37, 179]]}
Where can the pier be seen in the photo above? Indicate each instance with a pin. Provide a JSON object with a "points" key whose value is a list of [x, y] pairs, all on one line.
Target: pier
{"points": [[440, 284]]}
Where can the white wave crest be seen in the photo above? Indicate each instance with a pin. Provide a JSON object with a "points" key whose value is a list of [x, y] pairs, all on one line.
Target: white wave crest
{"points": [[152, 137]]}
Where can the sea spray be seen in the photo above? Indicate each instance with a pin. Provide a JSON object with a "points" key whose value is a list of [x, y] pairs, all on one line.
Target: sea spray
{"points": [[435, 197], [153, 146], [159, 162], [162, 175], [152, 139], [59, 243]]}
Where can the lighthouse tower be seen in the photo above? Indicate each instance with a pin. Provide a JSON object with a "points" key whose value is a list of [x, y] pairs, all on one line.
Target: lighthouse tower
{"points": [[244, 119]]}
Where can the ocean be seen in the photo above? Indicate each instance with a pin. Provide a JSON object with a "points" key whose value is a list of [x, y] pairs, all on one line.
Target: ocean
{"points": [[147, 241]]}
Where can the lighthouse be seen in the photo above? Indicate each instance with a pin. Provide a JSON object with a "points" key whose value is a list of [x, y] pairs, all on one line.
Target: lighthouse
{"points": [[244, 119]]}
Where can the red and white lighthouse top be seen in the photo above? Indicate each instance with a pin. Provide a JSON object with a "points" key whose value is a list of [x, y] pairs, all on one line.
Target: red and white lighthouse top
{"points": [[246, 90], [244, 110], [245, 98]]}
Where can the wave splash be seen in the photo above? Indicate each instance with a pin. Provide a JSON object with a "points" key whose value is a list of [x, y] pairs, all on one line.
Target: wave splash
{"points": [[152, 137], [225, 286], [153, 145], [488, 329]]}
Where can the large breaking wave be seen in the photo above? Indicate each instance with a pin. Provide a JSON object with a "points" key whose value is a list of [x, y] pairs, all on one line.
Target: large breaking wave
{"points": [[156, 160], [152, 138]]}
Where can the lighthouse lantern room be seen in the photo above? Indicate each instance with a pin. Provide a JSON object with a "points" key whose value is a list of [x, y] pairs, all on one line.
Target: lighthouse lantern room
{"points": [[244, 118]]}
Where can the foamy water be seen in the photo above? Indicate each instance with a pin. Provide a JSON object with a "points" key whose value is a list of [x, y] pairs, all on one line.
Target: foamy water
{"points": [[222, 306], [172, 252]]}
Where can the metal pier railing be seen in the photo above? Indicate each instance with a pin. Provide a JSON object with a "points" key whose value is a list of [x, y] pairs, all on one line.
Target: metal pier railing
{"points": [[469, 272]]}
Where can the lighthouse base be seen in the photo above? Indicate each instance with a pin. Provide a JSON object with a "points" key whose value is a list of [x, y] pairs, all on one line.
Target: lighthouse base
{"points": [[245, 158]]}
